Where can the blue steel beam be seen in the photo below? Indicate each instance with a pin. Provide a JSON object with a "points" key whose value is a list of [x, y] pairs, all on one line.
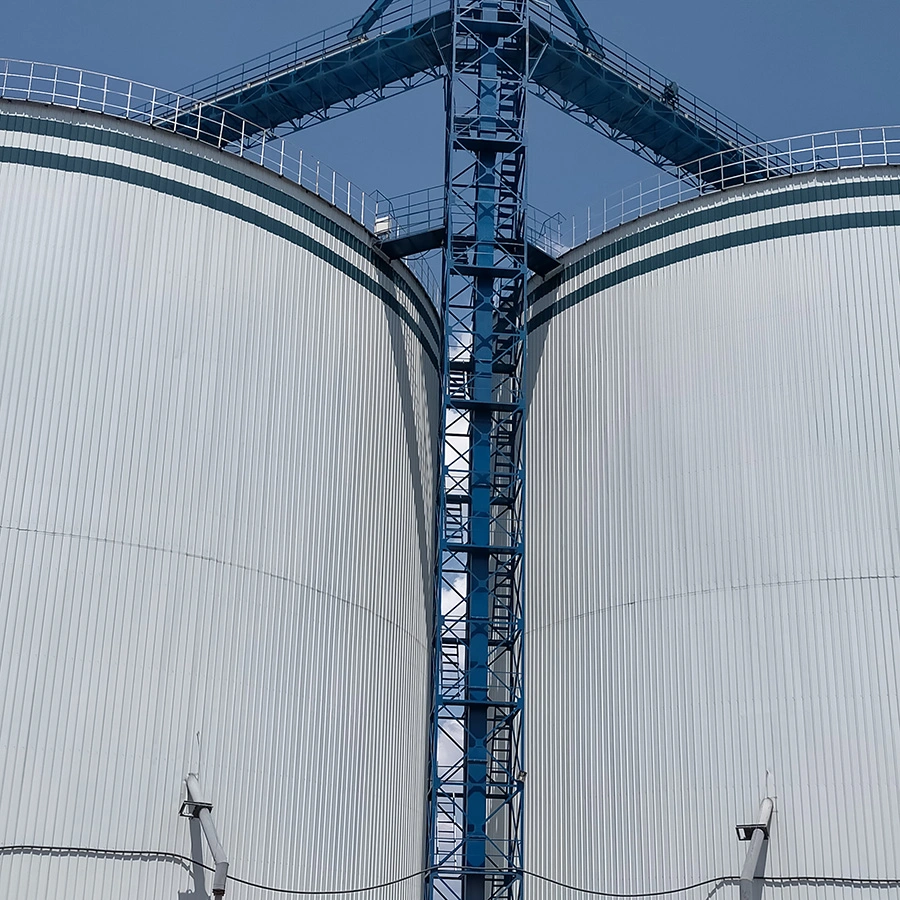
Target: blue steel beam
{"points": [[580, 26], [418, 224], [540, 260], [368, 19], [475, 828]]}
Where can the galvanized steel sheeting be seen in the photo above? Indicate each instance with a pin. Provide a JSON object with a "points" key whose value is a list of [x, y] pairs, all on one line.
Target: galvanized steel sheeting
{"points": [[217, 465], [714, 539]]}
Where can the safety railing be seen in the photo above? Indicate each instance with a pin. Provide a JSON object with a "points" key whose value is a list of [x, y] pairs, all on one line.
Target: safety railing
{"points": [[309, 49], [421, 211], [427, 268], [177, 113], [412, 213], [752, 164], [180, 114], [825, 151], [125, 99], [545, 14]]}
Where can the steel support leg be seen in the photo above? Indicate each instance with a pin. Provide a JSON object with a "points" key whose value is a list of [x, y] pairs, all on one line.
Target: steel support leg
{"points": [[195, 806], [757, 833]]}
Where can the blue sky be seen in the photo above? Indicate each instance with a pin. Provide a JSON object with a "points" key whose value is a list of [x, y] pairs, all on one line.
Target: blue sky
{"points": [[780, 67]]}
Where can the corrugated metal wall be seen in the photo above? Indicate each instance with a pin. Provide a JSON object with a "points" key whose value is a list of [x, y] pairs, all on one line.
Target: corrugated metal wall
{"points": [[217, 459], [714, 544]]}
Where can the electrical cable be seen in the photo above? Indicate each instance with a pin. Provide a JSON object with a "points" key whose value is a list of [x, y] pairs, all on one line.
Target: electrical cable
{"points": [[722, 879], [837, 880], [729, 879], [102, 851], [167, 855], [364, 890]]}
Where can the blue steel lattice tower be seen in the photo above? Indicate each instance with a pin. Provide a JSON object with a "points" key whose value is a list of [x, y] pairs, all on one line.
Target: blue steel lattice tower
{"points": [[475, 838]]}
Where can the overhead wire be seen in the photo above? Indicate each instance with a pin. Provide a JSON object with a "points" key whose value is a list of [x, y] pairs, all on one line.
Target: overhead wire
{"points": [[168, 855], [105, 851], [722, 879], [728, 879], [363, 890]]}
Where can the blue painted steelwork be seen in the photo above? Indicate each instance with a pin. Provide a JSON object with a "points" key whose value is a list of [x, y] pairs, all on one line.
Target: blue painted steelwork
{"points": [[375, 11], [417, 224], [580, 26], [329, 74], [573, 69], [632, 104], [475, 829]]}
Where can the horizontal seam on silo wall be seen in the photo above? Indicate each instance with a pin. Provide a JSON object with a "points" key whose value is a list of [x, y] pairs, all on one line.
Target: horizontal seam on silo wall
{"points": [[120, 141], [112, 171], [212, 560], [815, 225], [762, 203], [710, 591]]}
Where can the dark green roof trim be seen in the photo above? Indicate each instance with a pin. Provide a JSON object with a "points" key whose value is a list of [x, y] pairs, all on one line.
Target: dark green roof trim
{"points": [[814, 193], [119, 140], [815, 225], [115, 172]]}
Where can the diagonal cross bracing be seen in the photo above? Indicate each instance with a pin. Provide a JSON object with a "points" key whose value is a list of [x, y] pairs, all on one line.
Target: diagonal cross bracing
{"points": [[475, 832]]}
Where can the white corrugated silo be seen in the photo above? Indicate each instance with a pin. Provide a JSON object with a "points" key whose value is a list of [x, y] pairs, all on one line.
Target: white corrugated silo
{"points": [[219, 415], [714, 542]]}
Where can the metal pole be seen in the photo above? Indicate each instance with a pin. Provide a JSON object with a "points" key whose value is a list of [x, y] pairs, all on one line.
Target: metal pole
{"points": [[201, 809], [757, 833]]}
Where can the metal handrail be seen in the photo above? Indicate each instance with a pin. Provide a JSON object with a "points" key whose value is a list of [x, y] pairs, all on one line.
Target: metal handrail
{"points": [[122, 98], [761, 162], [424, 210], [178, 113], [636, 72], [328, 41]]}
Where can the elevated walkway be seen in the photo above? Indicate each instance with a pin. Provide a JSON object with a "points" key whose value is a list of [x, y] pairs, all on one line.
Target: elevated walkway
{"points": [[596, 82], [326, 75], [414, 223]]}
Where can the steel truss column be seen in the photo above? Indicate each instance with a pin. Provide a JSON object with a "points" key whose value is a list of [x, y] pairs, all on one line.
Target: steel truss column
{"points": [[475, 838]]}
